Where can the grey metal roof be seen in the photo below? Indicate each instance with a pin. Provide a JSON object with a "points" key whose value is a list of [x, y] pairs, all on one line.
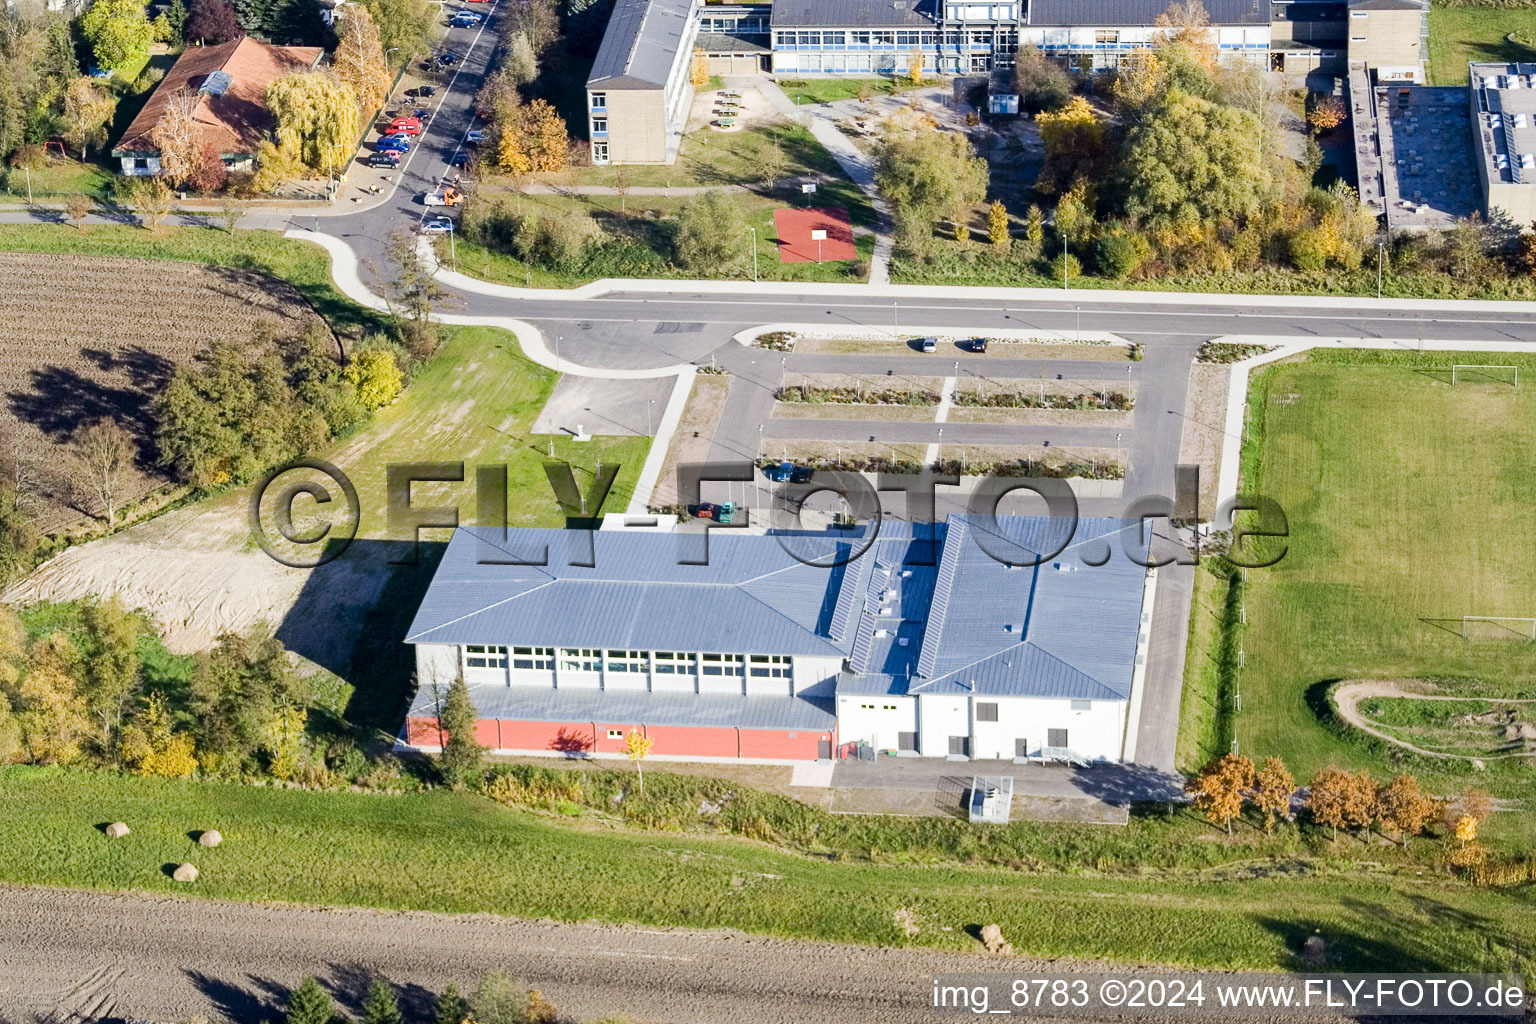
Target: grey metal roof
{"points": [[1133, 13], [974, 619], [852, 14], [720, 42], [618, 707], [640, 44], [752, 596]]}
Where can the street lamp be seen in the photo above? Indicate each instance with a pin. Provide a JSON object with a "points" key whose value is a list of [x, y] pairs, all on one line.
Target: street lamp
{"points": [[1079, 311], [650, 416], [453, 251], [754, 254], [1381, 253], [557, 353], [387, 52]]}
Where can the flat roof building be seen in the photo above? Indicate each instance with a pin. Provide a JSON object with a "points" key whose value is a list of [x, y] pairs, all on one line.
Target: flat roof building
{"points": [[1503, 110], [935, 640], [639, 90]]}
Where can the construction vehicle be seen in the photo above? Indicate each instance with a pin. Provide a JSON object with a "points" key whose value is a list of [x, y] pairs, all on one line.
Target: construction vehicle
{"points": [[445, 196]]}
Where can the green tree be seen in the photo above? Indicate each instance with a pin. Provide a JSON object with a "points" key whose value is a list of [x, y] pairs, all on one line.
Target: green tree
{"points": [[119, 33], [381, 1005], [404, 25], [318, 117], [237, 692], [711, 233], [463, 758], [451, 1007], [308, 1003], [997, 225], [10, 733], [110, 661], [522, 64], [1119, 253], [498, 1000], [376, 377], [1073, 138], [1192, 162], [87, 110], [926, 174]]}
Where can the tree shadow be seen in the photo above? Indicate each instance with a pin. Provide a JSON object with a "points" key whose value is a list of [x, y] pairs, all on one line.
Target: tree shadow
{"points": [[1121, 785], [261, 1001]]}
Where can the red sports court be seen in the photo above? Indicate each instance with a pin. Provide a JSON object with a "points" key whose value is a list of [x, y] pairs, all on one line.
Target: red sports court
{"points": [[797, 235]]}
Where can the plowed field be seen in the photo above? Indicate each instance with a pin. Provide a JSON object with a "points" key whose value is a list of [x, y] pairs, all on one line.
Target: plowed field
{"points": [[85, 337]]}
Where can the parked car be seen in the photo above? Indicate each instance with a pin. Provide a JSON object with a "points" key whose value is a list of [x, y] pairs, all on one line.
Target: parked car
{"points": [[723, 512], [474, 137], [445, 196], [788, 472], [447, 60], [928, 344], [459, 159], [465, 19], [422, 91], [392, 144], [404, 126], [384, 158], [977, 345], [436, 226]]}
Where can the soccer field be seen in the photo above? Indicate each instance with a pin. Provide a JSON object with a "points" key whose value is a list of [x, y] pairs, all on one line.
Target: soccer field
{"points": [[1409, 499]]}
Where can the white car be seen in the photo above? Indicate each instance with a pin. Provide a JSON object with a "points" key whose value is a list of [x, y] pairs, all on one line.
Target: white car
{"points": [[437, 226]]}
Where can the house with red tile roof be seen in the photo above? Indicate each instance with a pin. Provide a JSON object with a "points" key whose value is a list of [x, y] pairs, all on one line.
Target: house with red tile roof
{"points": [[230, 81]]}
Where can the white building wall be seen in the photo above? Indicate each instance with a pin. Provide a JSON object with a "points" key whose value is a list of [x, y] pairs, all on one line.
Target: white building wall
{"points": [[939, 718], [816, 677], [436, 665], [875, 720]]}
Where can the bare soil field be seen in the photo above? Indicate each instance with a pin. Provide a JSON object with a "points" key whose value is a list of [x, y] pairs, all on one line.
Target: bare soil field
{"points": [[1205, 417], [695, 432], [841, 411], [90, 337], [1040, 417]]}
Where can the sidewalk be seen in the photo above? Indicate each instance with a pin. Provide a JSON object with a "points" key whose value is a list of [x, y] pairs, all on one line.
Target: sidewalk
{"points": [[854, 162]]}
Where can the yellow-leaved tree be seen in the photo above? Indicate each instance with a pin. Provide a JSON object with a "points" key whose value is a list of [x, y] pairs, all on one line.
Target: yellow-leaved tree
{"points": [[151, 747], [376, 376], [533, 138], [1221, 787], [698, 70], [637, 747], [997, 225], [1073, 138], [318, 118], [359, 58]]}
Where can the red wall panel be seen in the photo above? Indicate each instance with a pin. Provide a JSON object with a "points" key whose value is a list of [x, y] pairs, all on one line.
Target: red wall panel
{"points": [[571, 737], [421, 732], [800, 745], [691, 741], [612, 745]]}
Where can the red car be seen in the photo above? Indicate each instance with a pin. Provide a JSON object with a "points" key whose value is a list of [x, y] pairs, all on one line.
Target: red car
{"points": [[404, 126]]}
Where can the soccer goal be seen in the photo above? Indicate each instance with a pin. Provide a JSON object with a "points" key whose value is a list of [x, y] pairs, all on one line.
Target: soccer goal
{"points": [[1479, 373], [1498, 627]]}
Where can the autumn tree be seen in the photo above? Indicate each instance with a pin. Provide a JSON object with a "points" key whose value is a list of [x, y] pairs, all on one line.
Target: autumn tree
{"points": [[359, 58], [110, 662], [1403, 805], [522, 64], [119, 33], [1273, 789], [50, 712], [1327, 113], [179, 137], [404, 25], [318, 118], [1471, 802], [78, 208], [772, 162], [103, 454], [276, 166], [1465, 830], [150, 198], [1140, 83], [915, 67], [1338, 798], [1221, 787], [1043, 84], [1525, 254], [531, 139], [237, 692], [711, 233], [1073, 138], [151, 746], [997, 225], [87, 111], [210, 173], [211, 22], [413, 294], [1186, 23], [462, 761], [376, 376], [637, 747]]}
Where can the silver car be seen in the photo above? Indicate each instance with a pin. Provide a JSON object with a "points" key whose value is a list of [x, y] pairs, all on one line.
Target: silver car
{"points": [[437, 226]]}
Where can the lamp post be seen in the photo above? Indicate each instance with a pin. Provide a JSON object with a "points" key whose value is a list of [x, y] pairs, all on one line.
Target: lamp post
{"points": [[387, 52], [453, 251], [895, 329], [754, 254], [650, 416], [1079, 311], [557, 353], [1381, 254]]}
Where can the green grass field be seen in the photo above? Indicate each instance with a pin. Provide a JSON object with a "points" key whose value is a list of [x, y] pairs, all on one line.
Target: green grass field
{"points": [[1408, 501], [827, 90], [1458, 35], [458, 853], [709, 157], [644, 217]]}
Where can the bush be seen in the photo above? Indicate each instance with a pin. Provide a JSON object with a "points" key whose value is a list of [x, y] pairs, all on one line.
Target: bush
{"points": [[1073, 267], [1307, 251], [1120, 254]]}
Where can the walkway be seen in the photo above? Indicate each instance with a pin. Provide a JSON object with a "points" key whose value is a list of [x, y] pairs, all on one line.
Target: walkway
{"points": [[857, 164]]}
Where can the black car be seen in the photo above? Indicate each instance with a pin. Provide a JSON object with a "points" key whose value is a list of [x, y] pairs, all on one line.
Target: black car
{"points": [[422, 91], [459, 159], [448, 60], [978, 344], [384, 159]]}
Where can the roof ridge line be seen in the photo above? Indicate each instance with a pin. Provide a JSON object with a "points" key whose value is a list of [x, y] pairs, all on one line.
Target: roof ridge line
{"points": [[486, 608]]}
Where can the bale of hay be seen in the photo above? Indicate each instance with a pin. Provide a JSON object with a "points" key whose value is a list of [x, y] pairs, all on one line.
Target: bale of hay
{"points": [[992, 936], [210, 838], [185, 873], [116, 830]]}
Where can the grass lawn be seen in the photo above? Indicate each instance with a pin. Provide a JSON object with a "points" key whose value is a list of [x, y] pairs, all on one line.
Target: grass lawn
{"points": [[647, 218], [826, 90], [439, 851], [306, 266], [1458, 35], [59, 179], [1408, 499]]}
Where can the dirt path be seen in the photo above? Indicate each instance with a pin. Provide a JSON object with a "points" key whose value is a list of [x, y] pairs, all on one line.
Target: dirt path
{"points": [[71, 956], [1347, 700]]}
